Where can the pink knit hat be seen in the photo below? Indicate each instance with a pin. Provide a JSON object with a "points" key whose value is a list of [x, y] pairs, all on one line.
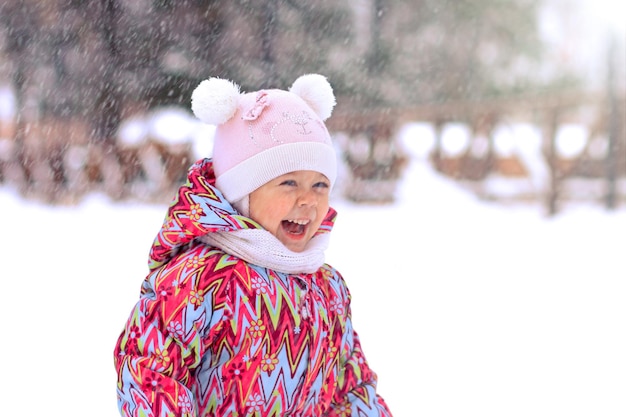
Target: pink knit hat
{"points": [[265, 134]]}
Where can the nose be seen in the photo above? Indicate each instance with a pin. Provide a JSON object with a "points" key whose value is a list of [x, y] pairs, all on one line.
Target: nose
{"points": [[307, 198]]}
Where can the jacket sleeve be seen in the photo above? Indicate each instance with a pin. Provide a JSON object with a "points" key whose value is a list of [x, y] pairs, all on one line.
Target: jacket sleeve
{"points": [[356, 392], [168, 332]]}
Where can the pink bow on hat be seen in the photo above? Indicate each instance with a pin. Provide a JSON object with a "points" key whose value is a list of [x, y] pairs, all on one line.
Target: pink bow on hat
{"points": [[256, 110]]}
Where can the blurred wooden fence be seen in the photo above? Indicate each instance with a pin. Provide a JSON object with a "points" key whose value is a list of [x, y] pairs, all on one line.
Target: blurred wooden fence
{"points": [[54, 161], [604, 119]]}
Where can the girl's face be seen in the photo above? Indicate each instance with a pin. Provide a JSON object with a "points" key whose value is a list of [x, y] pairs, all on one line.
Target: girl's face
{"points": [[292, 206]]}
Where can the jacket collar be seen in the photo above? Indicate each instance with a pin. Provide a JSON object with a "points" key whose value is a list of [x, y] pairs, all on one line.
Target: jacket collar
{"points": [[198, 209]]}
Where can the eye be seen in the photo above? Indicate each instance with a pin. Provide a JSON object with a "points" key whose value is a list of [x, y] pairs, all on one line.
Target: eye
{"points": [[291, 183], [321, 184]]}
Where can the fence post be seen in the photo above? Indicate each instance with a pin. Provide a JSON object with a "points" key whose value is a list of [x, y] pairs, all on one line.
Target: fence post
{"points": [[550, 152], [613, 129]]}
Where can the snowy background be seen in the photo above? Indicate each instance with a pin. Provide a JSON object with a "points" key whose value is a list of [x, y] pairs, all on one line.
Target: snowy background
{"points": [[465, 308]]}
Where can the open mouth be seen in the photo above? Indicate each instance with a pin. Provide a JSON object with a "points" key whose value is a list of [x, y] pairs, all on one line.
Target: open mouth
{"points": [[294, 227]]}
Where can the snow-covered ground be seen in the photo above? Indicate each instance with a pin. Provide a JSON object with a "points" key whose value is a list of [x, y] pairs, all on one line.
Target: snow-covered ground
{"points": [[464, 308]]}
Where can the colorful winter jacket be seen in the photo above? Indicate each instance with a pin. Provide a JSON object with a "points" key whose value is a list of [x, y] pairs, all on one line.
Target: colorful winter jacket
{"points": [[213, 335]]}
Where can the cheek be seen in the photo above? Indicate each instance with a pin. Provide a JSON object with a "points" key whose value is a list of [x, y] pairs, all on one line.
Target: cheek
{"points": [[322, 208], [259, 209], [268, 211], [324, 203]]}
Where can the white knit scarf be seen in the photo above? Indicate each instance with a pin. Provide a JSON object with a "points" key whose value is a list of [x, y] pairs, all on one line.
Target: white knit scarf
{"points": [[260, 247]]}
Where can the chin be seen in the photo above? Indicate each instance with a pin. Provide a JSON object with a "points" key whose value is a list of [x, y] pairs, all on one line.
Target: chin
{"points": [[294, 247]]}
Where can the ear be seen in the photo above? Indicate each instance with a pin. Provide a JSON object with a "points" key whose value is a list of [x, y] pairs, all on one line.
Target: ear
{"points": [[316, 91], [215, 101]]}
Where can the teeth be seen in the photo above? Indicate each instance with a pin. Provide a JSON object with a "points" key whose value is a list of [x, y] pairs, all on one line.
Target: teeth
{"points": [[300, 222]]}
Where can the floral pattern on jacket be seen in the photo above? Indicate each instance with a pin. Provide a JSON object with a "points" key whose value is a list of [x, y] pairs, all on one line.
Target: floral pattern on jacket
{"points": [[213, 335]]}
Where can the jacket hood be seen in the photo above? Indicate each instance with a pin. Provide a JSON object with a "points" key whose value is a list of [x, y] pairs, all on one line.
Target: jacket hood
{"points": [[199, 208]]}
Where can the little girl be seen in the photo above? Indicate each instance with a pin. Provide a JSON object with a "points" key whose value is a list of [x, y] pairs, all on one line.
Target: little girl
{"points": [[239, 315]]}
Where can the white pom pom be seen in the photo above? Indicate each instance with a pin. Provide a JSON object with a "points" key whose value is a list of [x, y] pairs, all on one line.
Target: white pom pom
{"points": [[316, 91], [214, 101]]}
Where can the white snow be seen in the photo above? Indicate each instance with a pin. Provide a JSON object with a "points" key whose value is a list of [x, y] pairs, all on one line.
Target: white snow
{"points": [[132, 131], [7, 103], [464, 308], [455, 138], [571, 139], [170, 126]]}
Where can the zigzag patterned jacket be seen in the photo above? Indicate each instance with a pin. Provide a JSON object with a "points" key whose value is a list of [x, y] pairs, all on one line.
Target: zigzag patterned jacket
{"points": [[213, 335]]}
